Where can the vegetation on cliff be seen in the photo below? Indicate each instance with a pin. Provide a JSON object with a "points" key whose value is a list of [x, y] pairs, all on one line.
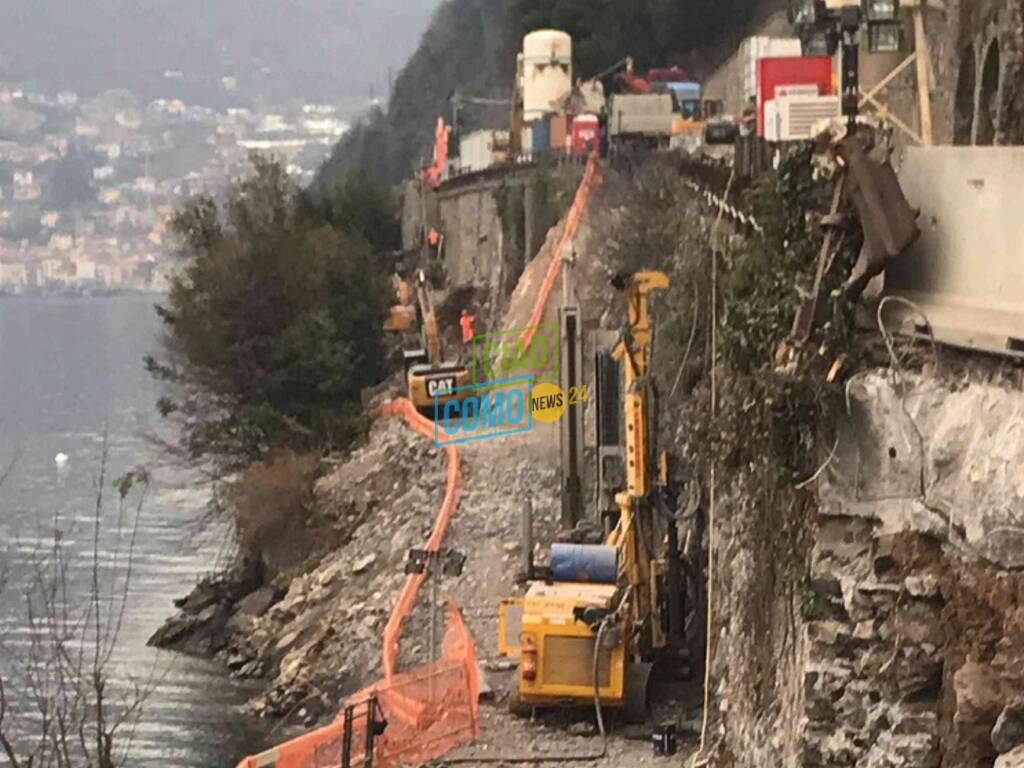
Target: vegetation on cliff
{"points": [[274, 322]]}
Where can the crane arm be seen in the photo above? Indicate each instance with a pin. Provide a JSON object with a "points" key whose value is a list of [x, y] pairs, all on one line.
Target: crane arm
{"points": [[626, 62]]}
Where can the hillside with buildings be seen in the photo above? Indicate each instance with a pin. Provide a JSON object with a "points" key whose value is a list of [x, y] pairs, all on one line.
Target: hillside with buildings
{"points": [[88, 183]]}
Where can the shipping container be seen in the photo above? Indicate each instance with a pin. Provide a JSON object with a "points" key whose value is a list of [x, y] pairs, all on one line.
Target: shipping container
{"points": [[790, 71], [650, 114], [753, 49], [482, 149], [586, 134], [559, 132], [476, 151], [541, 134]]}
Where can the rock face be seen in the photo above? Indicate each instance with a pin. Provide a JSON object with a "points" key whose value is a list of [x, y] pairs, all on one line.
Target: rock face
{"points": [[317, 637], [908, 640], [203, 625], [1013, 759], [1008, 732]]}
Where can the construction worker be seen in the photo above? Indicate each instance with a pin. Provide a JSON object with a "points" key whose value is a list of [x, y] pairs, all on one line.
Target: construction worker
{"points": [[434, 241], [466, 322]]}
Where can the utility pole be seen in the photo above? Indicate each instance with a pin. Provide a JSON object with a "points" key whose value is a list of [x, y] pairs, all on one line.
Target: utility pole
{"points": [[570, 375], [433, 565]]}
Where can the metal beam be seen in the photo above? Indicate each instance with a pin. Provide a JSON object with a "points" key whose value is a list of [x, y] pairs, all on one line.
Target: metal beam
{"points": [[923, 86], [571, 423], [883, 84], [885, 114]]}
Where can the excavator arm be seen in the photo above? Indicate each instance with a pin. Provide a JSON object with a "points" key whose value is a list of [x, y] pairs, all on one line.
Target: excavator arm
{"points": [[428, 328]]}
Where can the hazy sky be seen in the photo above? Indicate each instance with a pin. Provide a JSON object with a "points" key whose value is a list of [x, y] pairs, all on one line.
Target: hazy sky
{"points": [[278, 49]]}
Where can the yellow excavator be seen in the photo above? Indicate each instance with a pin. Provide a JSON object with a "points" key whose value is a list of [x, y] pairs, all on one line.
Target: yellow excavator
{"points": [[598, 616], [432, 381]]}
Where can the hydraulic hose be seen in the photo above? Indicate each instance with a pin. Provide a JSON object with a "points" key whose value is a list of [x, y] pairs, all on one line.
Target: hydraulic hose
{"points": [[564, 758]]}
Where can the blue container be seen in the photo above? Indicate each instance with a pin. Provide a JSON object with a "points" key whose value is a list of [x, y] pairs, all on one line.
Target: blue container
{"points": [[541, 134], [584, 562]]}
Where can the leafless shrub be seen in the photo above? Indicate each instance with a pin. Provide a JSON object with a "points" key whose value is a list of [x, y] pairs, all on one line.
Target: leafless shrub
{"points": [[68, 713], [272, 501]]}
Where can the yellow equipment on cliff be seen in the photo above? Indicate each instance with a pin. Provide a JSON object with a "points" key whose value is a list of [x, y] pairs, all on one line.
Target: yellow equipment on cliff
{"points": [[695, 114], [611, 608], [432, 381]]}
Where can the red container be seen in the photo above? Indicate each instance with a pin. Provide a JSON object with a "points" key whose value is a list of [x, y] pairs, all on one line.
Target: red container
{"points": [[790, 70], [586, 133]]}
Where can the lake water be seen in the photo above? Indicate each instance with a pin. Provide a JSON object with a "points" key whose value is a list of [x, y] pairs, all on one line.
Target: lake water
{"points": [[70, 372]]}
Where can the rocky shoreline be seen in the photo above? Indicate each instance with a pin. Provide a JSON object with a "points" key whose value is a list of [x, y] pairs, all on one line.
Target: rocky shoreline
{"points": [[314, 637]]}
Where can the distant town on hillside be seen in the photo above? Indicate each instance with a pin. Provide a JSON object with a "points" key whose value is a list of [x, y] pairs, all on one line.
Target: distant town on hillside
{"points": [[88, 184]]}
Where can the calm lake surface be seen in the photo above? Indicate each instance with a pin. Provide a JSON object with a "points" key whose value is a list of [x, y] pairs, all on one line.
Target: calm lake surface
{"points": [[70, 372]]}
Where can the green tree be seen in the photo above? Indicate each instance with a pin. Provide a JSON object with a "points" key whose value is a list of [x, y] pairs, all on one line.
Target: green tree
{"points": [[361, 205], [273, 325]]}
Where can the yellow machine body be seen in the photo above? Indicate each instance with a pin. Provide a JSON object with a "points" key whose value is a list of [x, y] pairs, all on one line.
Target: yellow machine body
{"points": [[448, 381], [564, 645], [431, 381], [699, 113]]}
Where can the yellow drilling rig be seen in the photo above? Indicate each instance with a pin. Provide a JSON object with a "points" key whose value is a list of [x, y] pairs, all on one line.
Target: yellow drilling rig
{"points": [[598, 616]]}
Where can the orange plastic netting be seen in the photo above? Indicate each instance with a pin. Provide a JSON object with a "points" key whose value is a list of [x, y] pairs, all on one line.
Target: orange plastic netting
{"points": [[453, 491], [429, 709], [573, 219]]}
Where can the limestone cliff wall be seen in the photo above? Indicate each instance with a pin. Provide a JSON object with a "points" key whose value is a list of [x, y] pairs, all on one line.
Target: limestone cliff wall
{"points": [[905, 645]]}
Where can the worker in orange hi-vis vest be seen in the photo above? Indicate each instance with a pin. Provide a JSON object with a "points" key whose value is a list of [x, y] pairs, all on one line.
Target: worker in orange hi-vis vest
{"points": [[466, 321]]}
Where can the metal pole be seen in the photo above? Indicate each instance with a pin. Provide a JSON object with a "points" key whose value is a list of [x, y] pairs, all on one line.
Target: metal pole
{"points": [[527, 537], [371, 732], [923, 86], [346, 738], [433, 576], [433, 614]]}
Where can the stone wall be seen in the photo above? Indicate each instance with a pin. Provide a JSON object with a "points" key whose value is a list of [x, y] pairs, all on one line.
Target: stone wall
{"points": [[970, 105], [493, 223], [905, 645]]}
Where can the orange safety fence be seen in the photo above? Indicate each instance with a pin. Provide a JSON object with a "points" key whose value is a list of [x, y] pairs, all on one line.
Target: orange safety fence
{"points": [[430, 709], [433, 708], [402, 406], [591, 178]]}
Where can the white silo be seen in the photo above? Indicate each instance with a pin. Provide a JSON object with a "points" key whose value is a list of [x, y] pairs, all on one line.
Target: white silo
{"points": [[547, 71]]}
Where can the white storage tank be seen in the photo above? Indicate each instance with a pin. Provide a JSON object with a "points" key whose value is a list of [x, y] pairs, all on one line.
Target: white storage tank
{"points": [[547, 71]]}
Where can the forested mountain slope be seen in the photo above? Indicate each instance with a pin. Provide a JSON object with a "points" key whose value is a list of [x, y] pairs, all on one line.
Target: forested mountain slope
{"points": [[471, 45]]}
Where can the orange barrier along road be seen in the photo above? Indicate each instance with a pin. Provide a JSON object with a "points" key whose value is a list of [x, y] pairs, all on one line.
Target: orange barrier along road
{"points": [[580, 203]]}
